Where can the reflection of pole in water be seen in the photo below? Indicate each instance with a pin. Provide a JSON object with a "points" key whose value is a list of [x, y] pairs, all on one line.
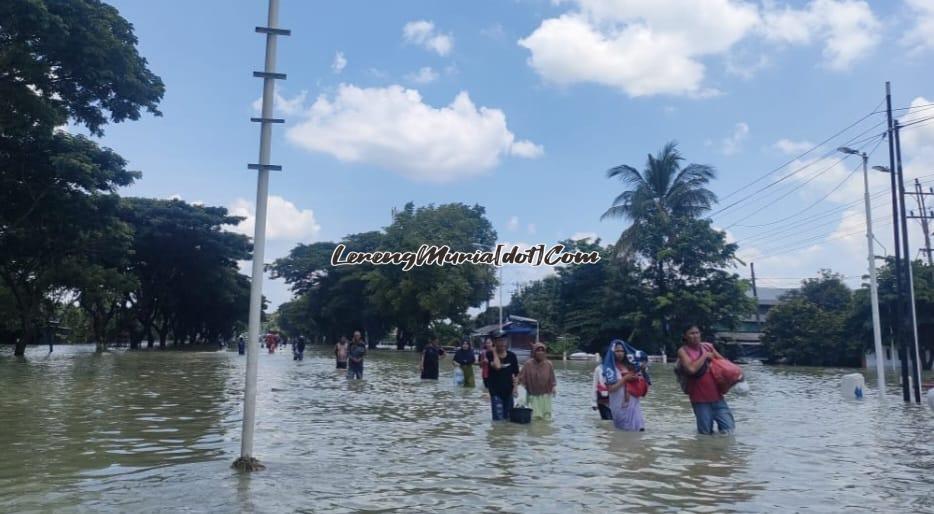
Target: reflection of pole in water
{"points": [[246, 462]]}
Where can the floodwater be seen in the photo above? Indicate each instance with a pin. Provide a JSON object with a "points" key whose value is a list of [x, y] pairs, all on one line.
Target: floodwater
{"points": [[157, 431]]}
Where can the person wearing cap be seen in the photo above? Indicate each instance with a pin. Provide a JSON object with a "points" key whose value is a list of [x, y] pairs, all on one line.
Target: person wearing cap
{"points": [[538, 378], [504, 367]]}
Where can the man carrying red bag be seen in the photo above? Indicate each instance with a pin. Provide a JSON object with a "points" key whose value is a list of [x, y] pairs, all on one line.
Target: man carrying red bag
{"points": [[697, 362]]}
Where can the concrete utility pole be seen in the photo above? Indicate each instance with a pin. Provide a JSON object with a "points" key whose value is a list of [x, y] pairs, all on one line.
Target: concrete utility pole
{"points": [[247, 462], [924, 216], [914, 361], [873, 288], [900, 286]]}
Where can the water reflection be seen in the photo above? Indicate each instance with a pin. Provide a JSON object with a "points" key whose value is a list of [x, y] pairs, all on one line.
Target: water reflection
{"points": [[157, 431]]}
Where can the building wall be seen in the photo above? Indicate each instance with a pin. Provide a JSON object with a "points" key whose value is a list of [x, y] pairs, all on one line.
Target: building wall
{"points": [[890, 358]]}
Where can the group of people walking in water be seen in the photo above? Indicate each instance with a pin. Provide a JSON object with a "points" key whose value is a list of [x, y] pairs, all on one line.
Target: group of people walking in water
{"points": [[620, 381]]}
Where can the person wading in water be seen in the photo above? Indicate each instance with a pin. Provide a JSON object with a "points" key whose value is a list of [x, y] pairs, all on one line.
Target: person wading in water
{"points": [[428, 366], [341, 350], [504, 368], [708, 404]]}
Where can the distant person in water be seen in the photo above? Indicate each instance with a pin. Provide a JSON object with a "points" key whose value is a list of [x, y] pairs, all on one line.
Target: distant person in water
{"points": [[271, 342], [356, 353], [241, 345], [504, 368], [538, 378], [706, 401], [341, 351], [298, 348], [601, 396], [626, 389], [485, 364], [465, 358], [431, 354]]}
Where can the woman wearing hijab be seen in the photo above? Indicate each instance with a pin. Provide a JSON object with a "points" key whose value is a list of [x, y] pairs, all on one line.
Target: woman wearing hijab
{"points": [[465, 358], [538, 378], [626, 385]]}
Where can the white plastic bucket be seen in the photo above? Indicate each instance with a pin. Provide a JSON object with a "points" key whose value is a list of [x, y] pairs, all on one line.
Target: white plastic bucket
{"points": [[853, 386]]}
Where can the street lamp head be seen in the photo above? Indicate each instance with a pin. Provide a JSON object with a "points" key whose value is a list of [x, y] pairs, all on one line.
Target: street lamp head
{"points": [[847, 150], [883, 169]]}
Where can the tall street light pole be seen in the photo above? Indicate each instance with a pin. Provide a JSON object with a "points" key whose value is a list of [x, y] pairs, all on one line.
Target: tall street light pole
{"points": [[247, 462], [873, 288]]}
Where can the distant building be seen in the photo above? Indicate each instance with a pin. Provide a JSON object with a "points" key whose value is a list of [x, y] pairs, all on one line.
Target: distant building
{"points": [[748, 332], [520, 335], [890, 359]]}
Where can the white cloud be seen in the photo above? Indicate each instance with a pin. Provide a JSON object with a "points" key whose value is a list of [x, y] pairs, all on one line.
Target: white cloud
{"points": [[789, 147], [424, 75], [282, 105], [513, 224], [657, 47], [848, 29], [746, 67], [340, 62], [837, 177], [423, 33], [920, 36], [732, 144], [642, 47], [526, 149], [578, 236], [284, 221], [531, 229], [176, 196], [917, 141], [393, 128]]}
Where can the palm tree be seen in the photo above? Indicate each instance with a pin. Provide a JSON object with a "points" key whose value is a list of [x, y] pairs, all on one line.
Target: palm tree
{"points": [[661, 191]]}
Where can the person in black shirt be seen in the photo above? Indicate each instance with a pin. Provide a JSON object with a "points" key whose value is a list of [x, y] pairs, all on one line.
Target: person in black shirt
{"points": [[429, 362], [504, 368]]}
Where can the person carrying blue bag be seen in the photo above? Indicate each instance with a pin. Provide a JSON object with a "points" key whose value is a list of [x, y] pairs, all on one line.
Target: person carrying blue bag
{"points": [[625, 372]]}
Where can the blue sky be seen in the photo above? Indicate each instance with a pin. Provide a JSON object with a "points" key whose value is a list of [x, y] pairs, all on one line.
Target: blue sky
{"points": [[521, 106]]}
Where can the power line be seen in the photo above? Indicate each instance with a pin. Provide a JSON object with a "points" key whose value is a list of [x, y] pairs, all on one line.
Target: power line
{"points": [[800, 169], [821, 199], [805, 226], [805, 221], [784, 250], [815, 147], [922, 107]]}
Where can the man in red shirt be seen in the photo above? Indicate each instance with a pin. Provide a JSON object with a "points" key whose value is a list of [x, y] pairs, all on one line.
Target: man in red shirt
{"points": [[706, 400]]}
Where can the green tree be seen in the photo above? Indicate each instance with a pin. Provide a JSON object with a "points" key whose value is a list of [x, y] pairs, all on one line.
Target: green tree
{"points": [[683, 260], [414, 299], [335, 299], [59, 61], [76, 59], [593, 303], [341, 299], [859, 322], [187, 279], [809, 326], [663, 190]]}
